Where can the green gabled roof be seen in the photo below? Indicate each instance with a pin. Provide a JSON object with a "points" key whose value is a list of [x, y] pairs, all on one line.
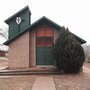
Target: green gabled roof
{"points": [[79, 39], [7, 20], [41, 20], [45, 19]]}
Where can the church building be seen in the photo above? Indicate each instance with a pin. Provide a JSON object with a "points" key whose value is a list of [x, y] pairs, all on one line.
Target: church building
{"points": [[31, 44]]}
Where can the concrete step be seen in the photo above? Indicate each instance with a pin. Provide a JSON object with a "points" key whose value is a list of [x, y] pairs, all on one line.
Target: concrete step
{"points": [[28, 73], [36, 71]]}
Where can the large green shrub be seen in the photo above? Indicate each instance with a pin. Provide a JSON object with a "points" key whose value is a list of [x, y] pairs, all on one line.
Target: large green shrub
{"points": [[68, 53]]}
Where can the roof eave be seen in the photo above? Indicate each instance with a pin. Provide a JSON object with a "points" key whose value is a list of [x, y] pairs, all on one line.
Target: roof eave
{"points": [[82, 41], [19, 34]]}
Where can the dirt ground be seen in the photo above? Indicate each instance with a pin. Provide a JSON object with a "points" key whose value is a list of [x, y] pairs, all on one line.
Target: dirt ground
{"points": [[16, 83], [3, 62], [74, 82], [62, 82]]}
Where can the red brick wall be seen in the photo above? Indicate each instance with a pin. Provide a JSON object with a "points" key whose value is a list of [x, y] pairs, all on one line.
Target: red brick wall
{"points": [[56, 33], [19, 52], [22, 51], [33, 48]]}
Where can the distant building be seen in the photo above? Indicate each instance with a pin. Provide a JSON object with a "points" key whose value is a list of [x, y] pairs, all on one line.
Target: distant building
{"points": [[2, 53], [31, 44]]}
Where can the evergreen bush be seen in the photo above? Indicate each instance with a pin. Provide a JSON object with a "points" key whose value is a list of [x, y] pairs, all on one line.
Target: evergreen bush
{"points": [[68, 53]]}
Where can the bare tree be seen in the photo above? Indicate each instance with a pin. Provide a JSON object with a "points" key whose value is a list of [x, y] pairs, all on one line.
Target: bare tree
{"points": [[3, 34], [87, 52]]}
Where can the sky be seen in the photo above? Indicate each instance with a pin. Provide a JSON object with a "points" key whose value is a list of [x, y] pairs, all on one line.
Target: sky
{"points": [[74, 14]]}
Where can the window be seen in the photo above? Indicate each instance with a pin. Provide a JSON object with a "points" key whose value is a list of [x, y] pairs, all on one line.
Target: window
{"points": [[48, 41], [44, 37], [44, 41], [40, 41]]}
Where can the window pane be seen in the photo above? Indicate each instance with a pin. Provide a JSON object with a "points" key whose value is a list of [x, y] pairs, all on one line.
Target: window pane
{"points": [[44, 41], [48, 41], [40, 41]]}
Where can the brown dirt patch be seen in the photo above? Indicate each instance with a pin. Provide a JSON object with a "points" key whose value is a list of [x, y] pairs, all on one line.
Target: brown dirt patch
{"points": [[17, 83], [74, 82], [3, 63]]}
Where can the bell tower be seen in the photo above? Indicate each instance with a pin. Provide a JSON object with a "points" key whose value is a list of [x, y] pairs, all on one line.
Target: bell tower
{"points": [[19, 22]]}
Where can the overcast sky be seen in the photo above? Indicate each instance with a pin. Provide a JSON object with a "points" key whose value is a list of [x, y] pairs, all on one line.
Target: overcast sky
{"points": [[74, 14]]}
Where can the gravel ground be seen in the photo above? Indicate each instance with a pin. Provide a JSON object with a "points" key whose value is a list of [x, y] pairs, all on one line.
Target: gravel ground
{"points": [[74, 82], [17, 83]]}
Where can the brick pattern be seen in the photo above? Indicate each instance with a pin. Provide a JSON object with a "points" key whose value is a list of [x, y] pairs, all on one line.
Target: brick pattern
{"points": [[33, 48], [22, 52], [56, 33], [19, 52]]}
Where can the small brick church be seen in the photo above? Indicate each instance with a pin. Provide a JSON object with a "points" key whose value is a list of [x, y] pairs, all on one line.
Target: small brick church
{"points": [[31, 44]]}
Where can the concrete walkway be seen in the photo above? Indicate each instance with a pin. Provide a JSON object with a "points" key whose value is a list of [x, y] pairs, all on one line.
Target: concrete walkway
{"points": [[44, 83]]}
